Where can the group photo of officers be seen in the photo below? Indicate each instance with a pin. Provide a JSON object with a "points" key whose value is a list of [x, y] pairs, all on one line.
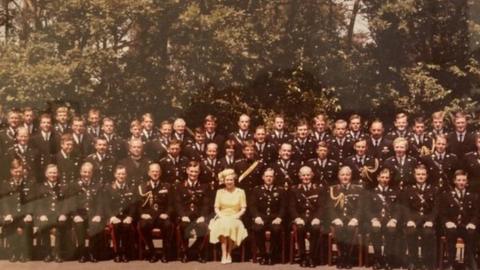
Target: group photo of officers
{"points": [[70, 182]]}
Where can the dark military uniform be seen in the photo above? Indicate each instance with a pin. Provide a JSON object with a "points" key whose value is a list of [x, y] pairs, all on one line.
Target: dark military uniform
{"points": [[460, 208], [117, 147], [157, 149], [88, 202], [460, 148], [51, 203], [30, 158], [192, 201], [286, 172], [184, 138], [149, 135], [173, 169], [227, 162], [266, 151], [325, 171], [17, 199], [363, 170], [46, 148], [268, 203], [472, 166], [219, 139], [355, 136], [320, 137], [403, 172], [136, 170], [248, 182], [339, 150], [61, 129], [83, 145], [156, 199], [94, 131], [418, 142], [240, 137], [383, 204], [68, 168], [277, 138], [308, 202], [120, 203], [392, 135], [102, 168], [7, 139], [345, 204], [303, 150], [379, 148], [195, 151], [420, 206], [441, 168], [209, 170]]}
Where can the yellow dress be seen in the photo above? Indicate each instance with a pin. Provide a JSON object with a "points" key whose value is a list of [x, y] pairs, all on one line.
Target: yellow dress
{"points": [[229, 204]]}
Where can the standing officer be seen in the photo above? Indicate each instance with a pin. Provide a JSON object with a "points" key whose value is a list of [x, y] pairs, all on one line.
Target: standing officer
{"points": [[17, 211], [192, 206], [249, 168], [344, 206], [364, 167], [267, 209], [51, 213], [441, 165], [421, 209], [156, 209], [68, 164], [286, 169], [383, 214], [401, 164], [174, 165], [120, 212], [307, 204], [341, 146], [458, 215], [324, 168], [136, 164], [87, 212], [103, 163]]}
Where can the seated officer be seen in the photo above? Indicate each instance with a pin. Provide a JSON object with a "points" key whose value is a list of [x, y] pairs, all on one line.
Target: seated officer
{"points": [[17, 211], [383, 214], [156, 208], [307, 212], [120, 212], [192, 206], [344, 206], [267, 208], [458, 215], [87, 212], [51, 213], [420, 213]]}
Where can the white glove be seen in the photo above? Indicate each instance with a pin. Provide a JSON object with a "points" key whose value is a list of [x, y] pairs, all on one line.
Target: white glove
{"points": [[77, 219], [376, 223], [428, 224], [163, 216], [259, 221], [62, 218], [411, 224], [8, 218], [353, 222], [277, 221], [315, 221], [392, 223], [115, 220], [127, 220], [28, 218], [337, 222], [450, 225], [185, 219], [43, 218], [470, 226], [96, 219], [145, 216], [200, 220], [299, 221]]}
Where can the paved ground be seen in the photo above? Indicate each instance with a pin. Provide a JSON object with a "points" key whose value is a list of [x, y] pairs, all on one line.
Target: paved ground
{"points": [[146, 266]]}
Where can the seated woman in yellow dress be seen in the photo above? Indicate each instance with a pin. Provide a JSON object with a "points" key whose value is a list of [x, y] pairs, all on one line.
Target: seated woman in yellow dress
{"points": [[230, 205]]}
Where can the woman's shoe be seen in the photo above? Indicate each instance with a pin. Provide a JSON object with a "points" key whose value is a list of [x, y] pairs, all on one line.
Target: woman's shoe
{"points": [[228, 259], [224, 260]]}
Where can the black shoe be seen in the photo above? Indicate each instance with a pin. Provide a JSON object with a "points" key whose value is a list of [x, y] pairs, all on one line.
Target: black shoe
{"points": [[339, 265], [117, 259], [377, 266], [164, 259], [184, 258], [310, 262], [58, 259], [48, 258], [23, 259], [201, 259], [348, 265], [92, 258], [13, 258], [262, 261], [388, 266], [153, 259], [124, 258], [269, 261], [303, 263], [82, 259]]}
